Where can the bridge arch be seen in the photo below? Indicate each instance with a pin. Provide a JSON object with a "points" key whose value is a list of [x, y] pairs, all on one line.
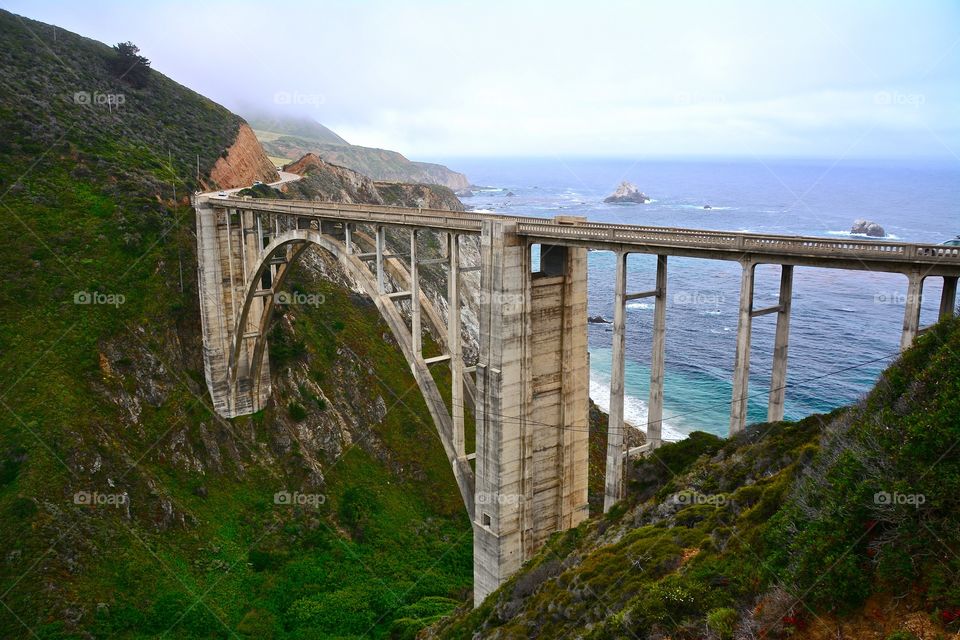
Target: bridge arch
{"points": [[275, 261]]}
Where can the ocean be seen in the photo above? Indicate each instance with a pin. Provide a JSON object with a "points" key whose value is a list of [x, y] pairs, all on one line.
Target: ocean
{"points": [[845, 326]]}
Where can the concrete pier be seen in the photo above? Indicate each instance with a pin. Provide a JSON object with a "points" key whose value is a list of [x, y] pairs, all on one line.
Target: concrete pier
{"points": [[741, 363], [911, 312], [381, 245], [613, 475], [778, 376], [948, 297], [532, 416], [455, 341], [416, 330], [655, 401]]}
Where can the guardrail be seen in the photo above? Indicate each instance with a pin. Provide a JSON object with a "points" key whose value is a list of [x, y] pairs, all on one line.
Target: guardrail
{"points": [[745, 242], [606, 234]]}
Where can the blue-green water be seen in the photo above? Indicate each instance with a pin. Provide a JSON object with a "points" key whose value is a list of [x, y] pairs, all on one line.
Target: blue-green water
{"points": [[840, 318]]}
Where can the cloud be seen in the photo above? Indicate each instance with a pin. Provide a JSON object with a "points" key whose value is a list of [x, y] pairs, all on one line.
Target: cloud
{"points": [[535, 78]]}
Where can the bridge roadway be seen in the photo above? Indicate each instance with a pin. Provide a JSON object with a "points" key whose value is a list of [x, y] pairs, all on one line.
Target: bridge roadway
{"points": [[810, 251], [531, 387]]}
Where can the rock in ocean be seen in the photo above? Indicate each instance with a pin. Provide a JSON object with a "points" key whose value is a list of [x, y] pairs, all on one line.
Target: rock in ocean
{"points": [[868, 227], [627, 192]]}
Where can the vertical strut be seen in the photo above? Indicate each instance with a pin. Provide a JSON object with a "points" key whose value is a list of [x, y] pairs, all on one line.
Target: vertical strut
{"points": [[911, 312], [455, 342], [655, 404], [948, 297], [613, 485], [741, 363], [415, 329], [778, 376], [381, 241]]}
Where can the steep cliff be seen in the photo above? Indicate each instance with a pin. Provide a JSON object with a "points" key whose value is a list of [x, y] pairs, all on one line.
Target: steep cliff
{"points": [[243, 162]]}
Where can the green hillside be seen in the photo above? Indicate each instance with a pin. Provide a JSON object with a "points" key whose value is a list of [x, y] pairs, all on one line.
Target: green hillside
{"points": [[838, 526], [290, 126], [129, 510]]}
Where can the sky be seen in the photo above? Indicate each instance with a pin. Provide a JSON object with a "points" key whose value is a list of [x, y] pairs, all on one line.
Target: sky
{"points": [[858, 79]]}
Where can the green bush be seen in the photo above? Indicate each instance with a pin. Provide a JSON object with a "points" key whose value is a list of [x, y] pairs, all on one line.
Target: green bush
{"points": [[722, 622], [901, 635], [297, 411]]}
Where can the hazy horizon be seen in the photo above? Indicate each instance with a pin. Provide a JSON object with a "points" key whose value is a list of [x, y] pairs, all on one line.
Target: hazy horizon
{"points": [[860, 80]]}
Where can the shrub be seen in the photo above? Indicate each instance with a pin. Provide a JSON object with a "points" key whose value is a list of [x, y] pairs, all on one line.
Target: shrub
{"points": [[722, 622], [297, 411], [127, 64]]}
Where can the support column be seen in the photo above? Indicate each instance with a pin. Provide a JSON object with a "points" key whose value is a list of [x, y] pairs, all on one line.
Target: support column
{"points": [[230, 261], [613, 483], [455, 342], [911, 312], [381, 246], [234, 387], [948, 298], [778, 377], [501, 408], [416, 333], [348, 236], [532, 402], [655, 404], [741, 363]]}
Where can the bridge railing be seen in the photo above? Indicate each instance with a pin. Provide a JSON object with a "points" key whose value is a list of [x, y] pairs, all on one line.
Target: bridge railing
{"points": [[611, 233], [746, 242]]}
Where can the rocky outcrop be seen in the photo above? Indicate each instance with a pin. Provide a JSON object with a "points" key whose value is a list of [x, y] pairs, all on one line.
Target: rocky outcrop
{"points": [[439, 174], [597, 320], [627, 192], [868, 228], [328, 182], [427, 196], [244, 163], [379, 164]]}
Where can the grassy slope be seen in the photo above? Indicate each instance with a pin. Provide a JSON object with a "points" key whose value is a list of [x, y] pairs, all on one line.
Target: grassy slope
{"points": [[775, 533], [87, 206]]}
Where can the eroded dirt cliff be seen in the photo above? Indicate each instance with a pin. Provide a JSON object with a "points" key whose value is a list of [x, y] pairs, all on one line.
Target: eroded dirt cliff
{"points": [[243, 163]]}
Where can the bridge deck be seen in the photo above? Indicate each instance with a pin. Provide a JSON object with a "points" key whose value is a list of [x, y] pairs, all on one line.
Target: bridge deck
{"points": [[873, 255]]}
